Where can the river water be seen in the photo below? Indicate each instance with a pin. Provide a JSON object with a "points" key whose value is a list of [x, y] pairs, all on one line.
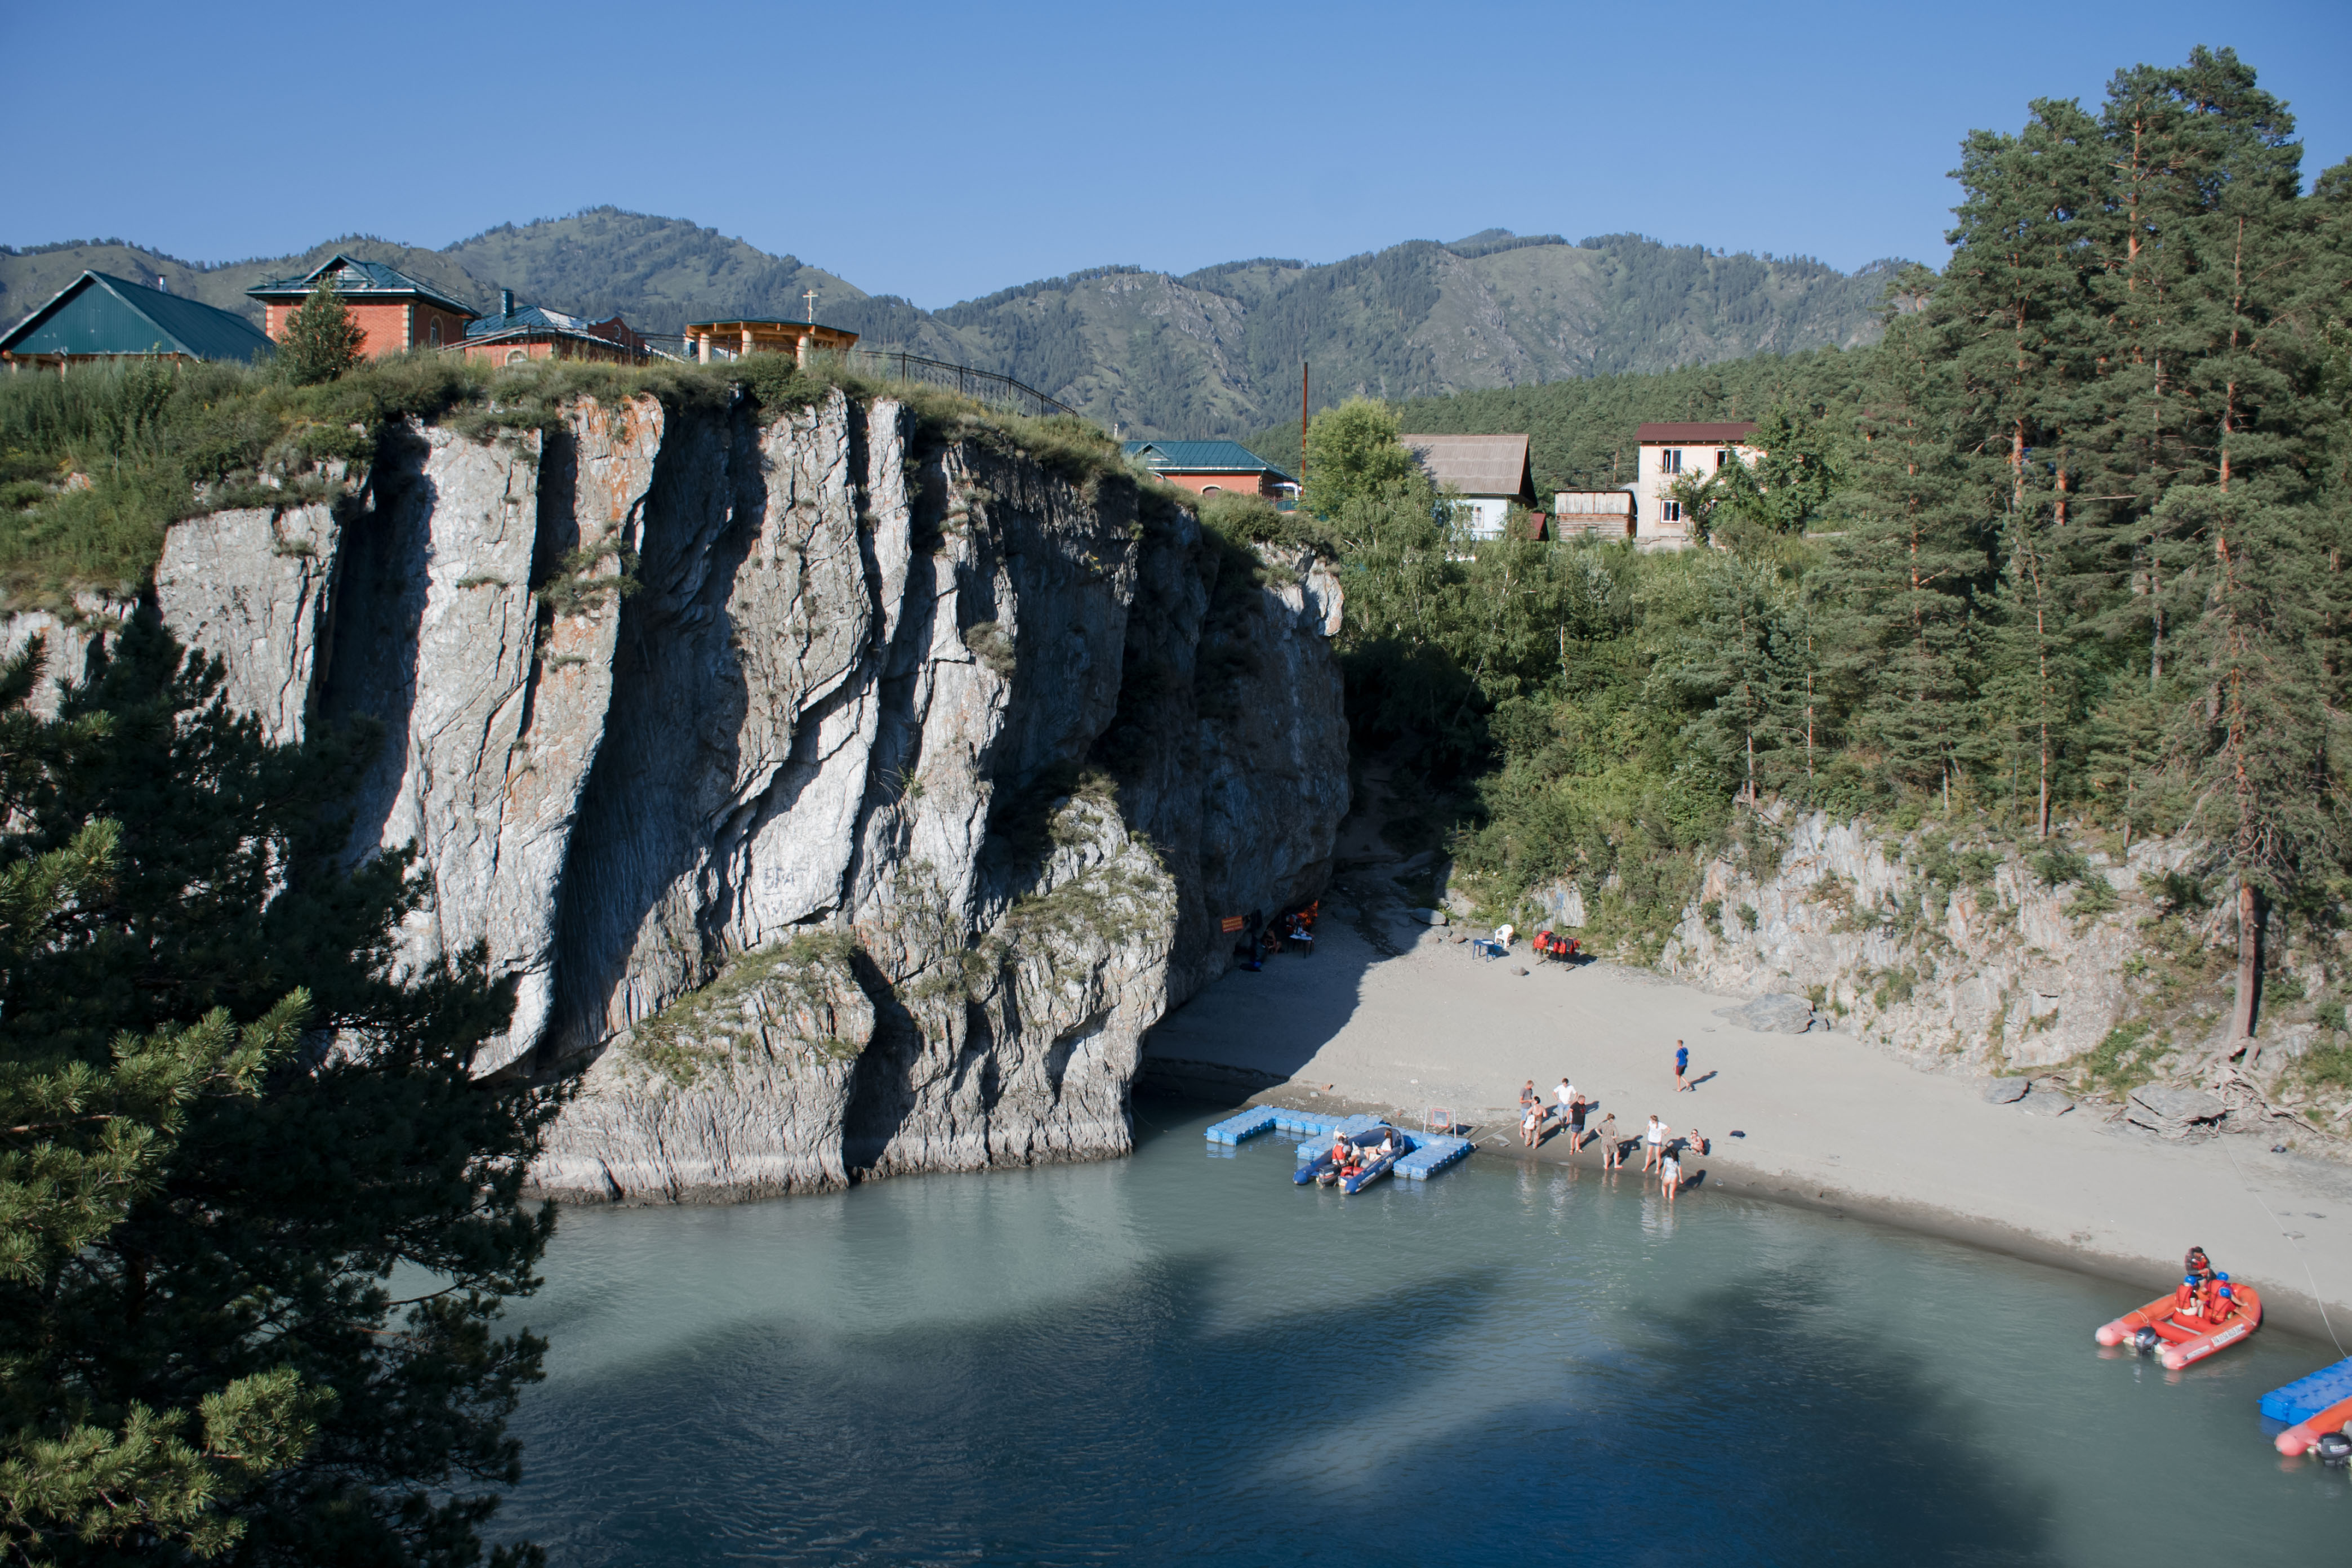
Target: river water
{"points": [[1183, 1357]]}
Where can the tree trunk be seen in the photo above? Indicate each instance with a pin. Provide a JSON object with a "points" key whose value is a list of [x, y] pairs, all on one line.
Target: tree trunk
{"points": [[2250, 966]]}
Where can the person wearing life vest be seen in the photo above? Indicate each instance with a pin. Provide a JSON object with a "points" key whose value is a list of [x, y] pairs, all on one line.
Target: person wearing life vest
{"points": [[2195, 1295]]}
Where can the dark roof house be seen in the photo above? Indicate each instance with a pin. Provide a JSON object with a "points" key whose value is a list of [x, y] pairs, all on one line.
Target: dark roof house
{"points": [[520, 333], [1207, 468], [1704, 433], [392, 309], [97, 316]]}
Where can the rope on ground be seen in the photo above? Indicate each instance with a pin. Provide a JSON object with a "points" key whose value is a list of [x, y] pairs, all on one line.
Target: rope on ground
{"points": [[2301, 1256]]}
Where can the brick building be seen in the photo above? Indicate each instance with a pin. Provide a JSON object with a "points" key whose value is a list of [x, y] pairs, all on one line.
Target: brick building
{"points": [[518, 334], [1208, 467], [392, 309]]}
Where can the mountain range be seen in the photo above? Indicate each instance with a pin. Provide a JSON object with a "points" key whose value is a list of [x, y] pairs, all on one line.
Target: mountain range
{"points": [[1209, 354]]}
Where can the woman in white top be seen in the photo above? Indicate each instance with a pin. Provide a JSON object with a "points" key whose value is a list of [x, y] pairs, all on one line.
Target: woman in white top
{"points": [[1656, 1140]]}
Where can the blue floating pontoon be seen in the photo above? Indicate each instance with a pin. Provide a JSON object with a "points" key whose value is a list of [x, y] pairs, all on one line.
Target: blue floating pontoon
{"points": [[2307, 1396], [1258, 1119], [1425, 1154]]}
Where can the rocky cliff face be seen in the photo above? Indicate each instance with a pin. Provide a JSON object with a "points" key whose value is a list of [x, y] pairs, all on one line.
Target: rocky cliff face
{"points": [[1969, 953], [841, 795]]}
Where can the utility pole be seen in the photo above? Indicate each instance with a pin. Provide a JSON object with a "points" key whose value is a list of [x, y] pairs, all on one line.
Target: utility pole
{"points": [[1302, 432]]}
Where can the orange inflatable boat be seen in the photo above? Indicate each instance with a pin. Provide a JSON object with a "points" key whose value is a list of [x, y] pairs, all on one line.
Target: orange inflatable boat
{"points": [[2306, 1433], [2188, 1325]]}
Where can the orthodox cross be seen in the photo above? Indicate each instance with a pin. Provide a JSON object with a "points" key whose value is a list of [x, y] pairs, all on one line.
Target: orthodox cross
{"points": [[810, 298]]}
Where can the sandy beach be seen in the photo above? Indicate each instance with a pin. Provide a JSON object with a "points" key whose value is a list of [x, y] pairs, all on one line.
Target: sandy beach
{"points": [[1391, 1016]]}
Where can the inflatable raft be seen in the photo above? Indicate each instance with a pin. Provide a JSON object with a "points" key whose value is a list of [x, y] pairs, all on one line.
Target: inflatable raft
{"points": [[2179, 1333], [1322, 1171]]}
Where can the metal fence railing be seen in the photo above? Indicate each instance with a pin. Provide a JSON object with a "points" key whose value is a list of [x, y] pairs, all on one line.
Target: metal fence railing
{"points": [[985, 385]]}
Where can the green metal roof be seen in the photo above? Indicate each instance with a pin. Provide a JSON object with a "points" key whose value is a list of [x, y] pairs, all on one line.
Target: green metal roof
{"points": [[356, 279], [100, 314], [1202, 457]]}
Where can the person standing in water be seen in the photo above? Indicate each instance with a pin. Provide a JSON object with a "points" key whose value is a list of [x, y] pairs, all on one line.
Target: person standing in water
{"points": [[1656, 1139], [1682, 1066]]}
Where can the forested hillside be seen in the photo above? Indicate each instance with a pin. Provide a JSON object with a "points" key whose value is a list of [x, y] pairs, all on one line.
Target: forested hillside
{"points": [[1214, 352], [2061, 559]]}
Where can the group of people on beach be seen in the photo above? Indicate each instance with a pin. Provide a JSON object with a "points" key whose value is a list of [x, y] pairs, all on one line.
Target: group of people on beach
{"points": [[1662, 1150]]}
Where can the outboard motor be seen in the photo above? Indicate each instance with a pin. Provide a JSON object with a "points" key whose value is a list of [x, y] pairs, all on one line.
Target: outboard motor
{"points": [[2333, 1448], [2146, 1341]]}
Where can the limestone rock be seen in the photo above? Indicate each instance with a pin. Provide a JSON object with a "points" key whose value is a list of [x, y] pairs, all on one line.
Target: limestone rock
{"points": [[2171, 1110], [1012, 746], [250, 587], [1776, 1014], [68, 638], [2006, 1091], [1429, 917]]}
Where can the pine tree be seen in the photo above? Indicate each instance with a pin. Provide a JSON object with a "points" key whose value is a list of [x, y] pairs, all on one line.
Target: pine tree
{"points": [[2253, 734], [1897, 587], [194, 1311], [1748, 662], [321, 339]]}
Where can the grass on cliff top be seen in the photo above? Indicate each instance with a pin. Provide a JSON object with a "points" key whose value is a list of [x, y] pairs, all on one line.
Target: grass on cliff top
{"points": [[96, 466]]}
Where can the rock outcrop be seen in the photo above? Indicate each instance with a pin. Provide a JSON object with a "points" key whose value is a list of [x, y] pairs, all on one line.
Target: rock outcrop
{"points": [[1982, 967], [841, 795]]}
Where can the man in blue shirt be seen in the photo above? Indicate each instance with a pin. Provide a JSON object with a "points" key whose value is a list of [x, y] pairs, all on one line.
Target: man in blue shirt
{"points": [[1682, 1066]]}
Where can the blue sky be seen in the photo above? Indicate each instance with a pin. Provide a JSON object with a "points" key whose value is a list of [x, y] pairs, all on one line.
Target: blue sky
{"points": [[943, 151]]}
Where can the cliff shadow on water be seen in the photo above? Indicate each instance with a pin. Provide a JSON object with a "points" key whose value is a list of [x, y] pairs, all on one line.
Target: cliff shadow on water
{"points": [[845, 788]]}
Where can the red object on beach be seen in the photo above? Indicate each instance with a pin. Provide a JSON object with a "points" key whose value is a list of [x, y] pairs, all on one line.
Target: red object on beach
{"points": [[2188, 1335], [2304, 1432]]}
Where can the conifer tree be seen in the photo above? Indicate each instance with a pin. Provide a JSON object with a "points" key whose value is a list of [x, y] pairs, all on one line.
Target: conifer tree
{"points": [[1897, 588], [1747, 661], [228, 1126], [321, 339], [2254, 731]]}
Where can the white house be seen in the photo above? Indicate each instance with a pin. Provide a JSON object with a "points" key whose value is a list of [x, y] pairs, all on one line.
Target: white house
{"points": [[1668, 453], [1489, 471]]}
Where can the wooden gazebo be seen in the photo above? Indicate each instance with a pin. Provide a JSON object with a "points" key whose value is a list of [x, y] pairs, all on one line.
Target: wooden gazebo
{"points": [[799, 339]]}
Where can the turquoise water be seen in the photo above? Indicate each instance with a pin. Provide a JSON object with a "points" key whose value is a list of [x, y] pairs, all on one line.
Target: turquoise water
{"points": [[1182, 1358]]}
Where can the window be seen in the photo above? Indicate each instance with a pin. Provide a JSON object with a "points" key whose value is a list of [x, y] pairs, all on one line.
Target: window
{"points": [[1670, 462], [1210, 489], [1722, 458], [518, 356], [436, 333], [1673, 512]]}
